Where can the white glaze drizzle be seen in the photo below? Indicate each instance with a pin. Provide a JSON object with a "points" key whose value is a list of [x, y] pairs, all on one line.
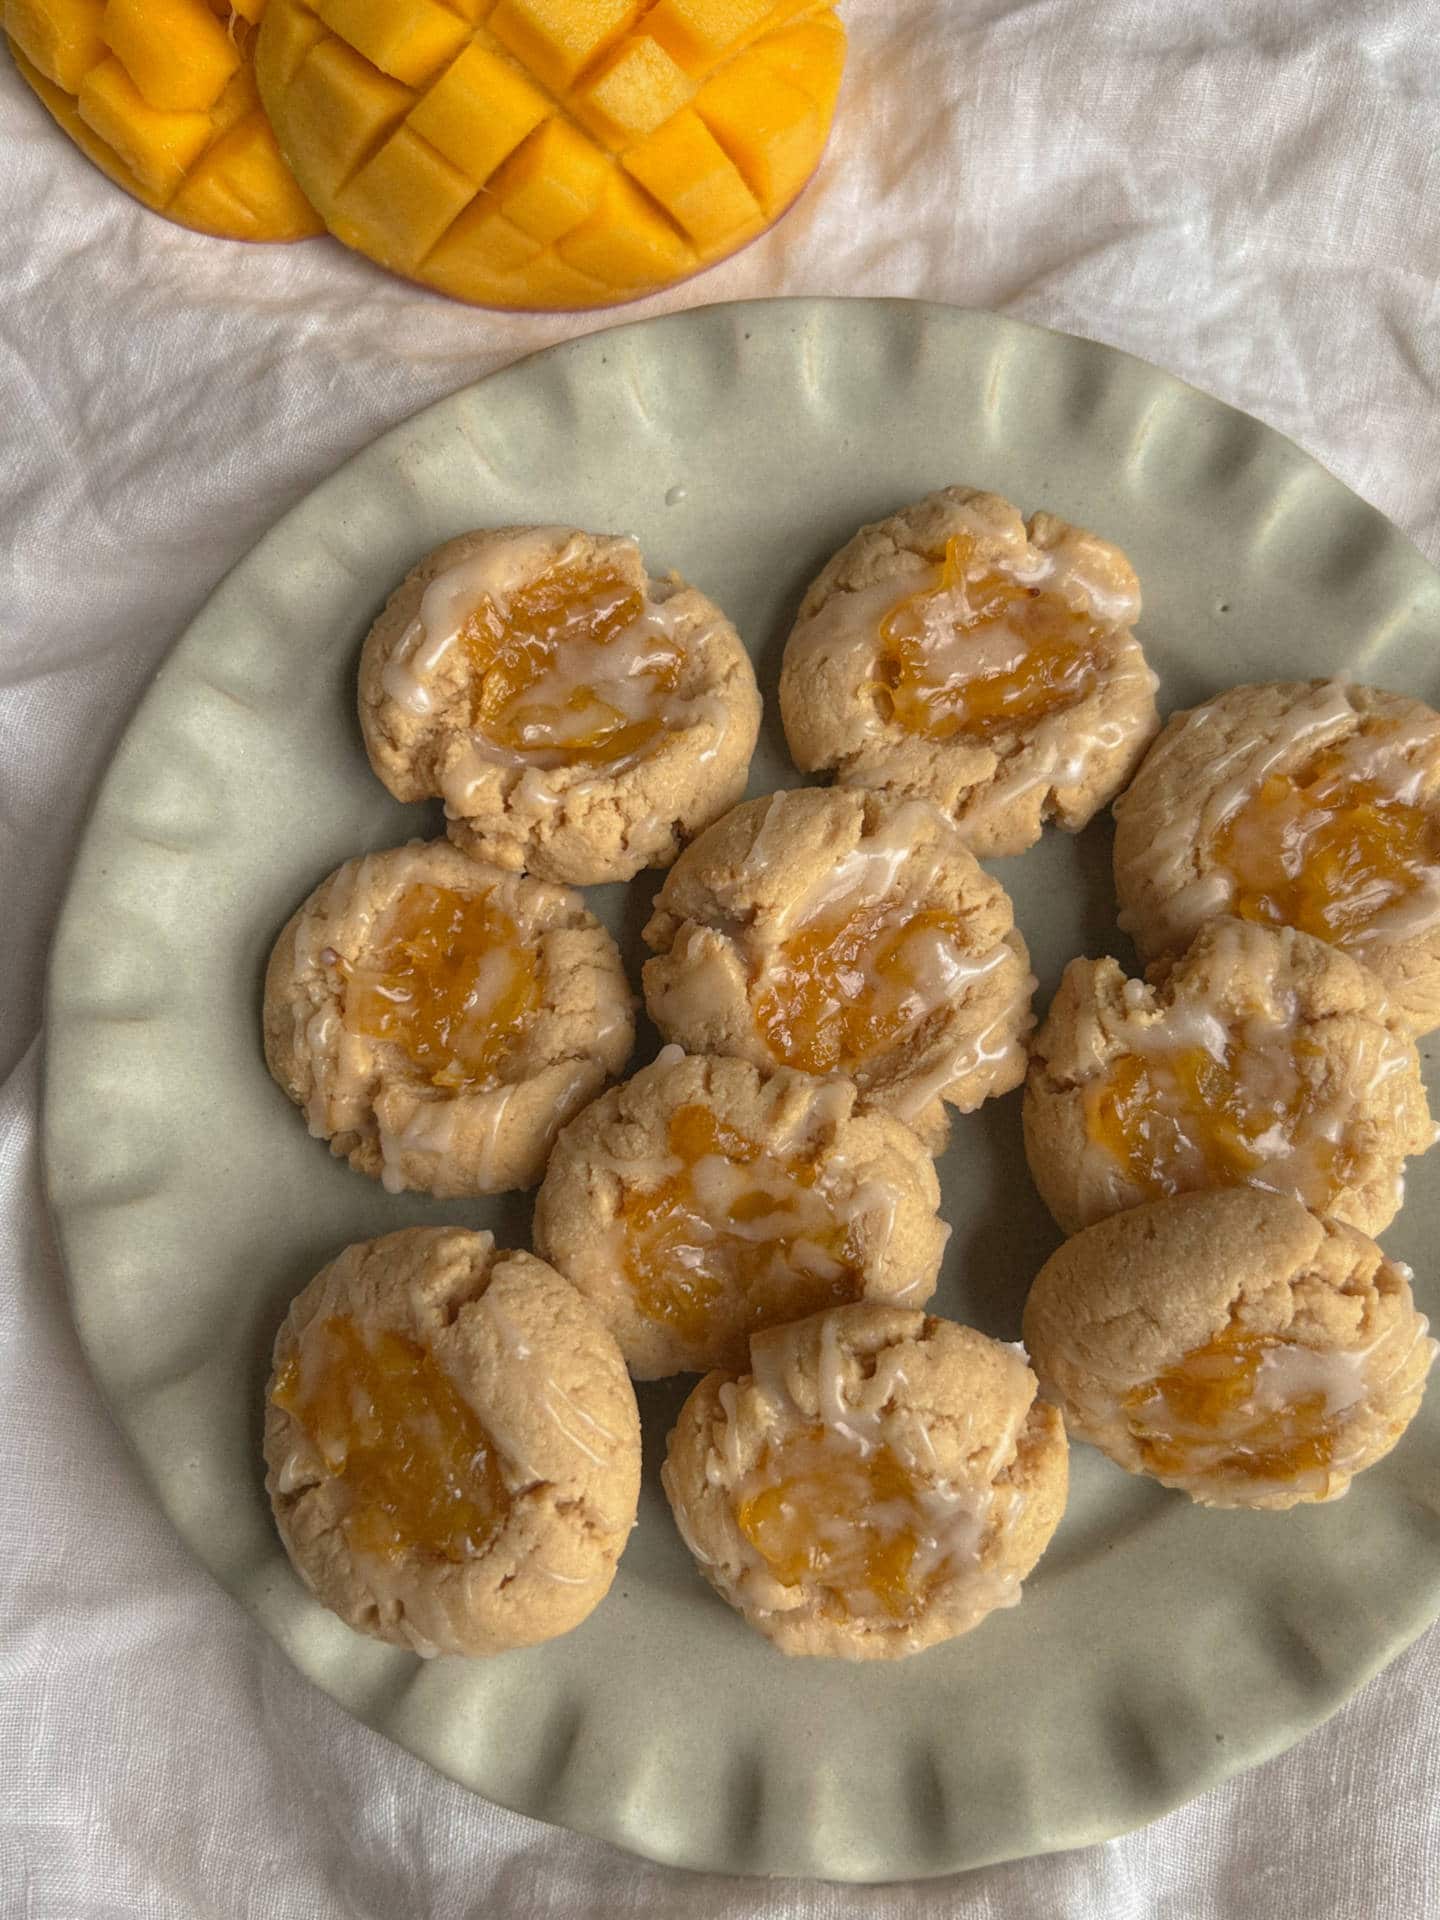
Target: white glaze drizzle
{"points": [[450, 599], [894, 865], [620, 675], [784, 1240], [579, 1428], [1346, 1380], [358, 1082], [1259, 1046], [1057, 753], [950, 1521], [1392, 758]]}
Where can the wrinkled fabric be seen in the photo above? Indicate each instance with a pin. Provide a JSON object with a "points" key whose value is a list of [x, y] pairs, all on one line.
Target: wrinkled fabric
{"points": [[1243, 191]]}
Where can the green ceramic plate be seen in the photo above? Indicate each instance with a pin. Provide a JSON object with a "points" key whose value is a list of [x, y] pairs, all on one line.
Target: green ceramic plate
{"points": [[1158, 1648]]}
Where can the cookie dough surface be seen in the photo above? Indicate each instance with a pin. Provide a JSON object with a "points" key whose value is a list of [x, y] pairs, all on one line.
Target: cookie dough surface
{"points": [[1313, 804], [452, 1444], [438, 1021], [707, 1198], [1261, 1057], [955, 654], [878, 1482], [579, 719], [1232, 1345], [835, 931]]}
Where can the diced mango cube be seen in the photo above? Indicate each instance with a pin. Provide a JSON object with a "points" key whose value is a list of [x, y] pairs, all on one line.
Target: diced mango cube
{"points": [[240, 179], [486, 257], [410, 42], [343, 107], [544, 281], [404, 198], [627, 241], [148, 89], [176, 51], [556, 38], [698, 32], [549, 184], [772, 131], [782, 11], [810, 55], [684, 167], [636, 90], [479, 111], [240, 101], [63, 38], [157, 147], [483, 232], [290, 33]]}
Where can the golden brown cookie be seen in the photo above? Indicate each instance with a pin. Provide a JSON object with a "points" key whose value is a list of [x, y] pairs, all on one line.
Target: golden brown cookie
{"points": [[1232, 1345], [838, 932], [438, 1021], [1260, 1058], [579, 719], [955, 654], [877, 1482], [706, 1198], [452, 1443], [1310, 804]]}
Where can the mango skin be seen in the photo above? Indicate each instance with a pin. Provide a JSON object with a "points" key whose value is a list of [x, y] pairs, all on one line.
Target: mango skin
{"points": [[160, 95], [550, 153]]}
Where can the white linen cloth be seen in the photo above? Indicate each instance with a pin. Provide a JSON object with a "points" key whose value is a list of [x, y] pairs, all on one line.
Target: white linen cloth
{"points": [[1244, 191]]}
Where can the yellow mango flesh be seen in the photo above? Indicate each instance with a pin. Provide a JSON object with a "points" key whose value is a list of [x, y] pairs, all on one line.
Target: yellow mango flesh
{"points": [[1326, 851], [386, 1419], [680, 1258], [450, 981], [550, 153], [1204, 1405], [161, 96]]}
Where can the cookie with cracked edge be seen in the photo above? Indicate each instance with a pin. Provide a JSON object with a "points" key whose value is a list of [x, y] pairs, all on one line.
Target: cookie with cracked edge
{"points": [[452, 1444]]}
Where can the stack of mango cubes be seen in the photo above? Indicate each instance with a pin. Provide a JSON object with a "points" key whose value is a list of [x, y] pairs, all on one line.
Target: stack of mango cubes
{"points": [[517, 153]]}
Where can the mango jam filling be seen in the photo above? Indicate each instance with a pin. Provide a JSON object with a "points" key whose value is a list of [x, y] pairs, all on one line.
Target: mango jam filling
{"points": [[932, 675], [553, 677], [687, 1249], [388, 1420], [1207, 1401], [1325, 851], [450, 982], [847, 986], [822, 1513], [1184, 1119]]}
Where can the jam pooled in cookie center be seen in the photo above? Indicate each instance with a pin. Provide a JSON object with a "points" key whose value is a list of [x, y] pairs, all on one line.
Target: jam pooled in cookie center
{"points": [[848, 985], [974, 657], [573, 670], [1247, 1404], [1327, 850], [449, 981], [730, 1213], [821, 1512], [388, 1420], [1183, 1118]]}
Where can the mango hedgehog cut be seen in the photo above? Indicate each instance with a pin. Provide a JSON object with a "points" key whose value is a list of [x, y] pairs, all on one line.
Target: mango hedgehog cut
{"points": [[550, 153], [161, 95]]}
